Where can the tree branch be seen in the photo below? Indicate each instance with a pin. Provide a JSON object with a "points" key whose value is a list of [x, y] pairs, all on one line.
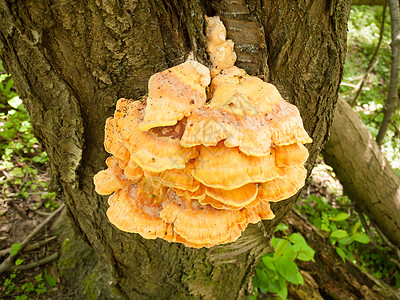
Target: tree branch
{"points": [[390, 103]]}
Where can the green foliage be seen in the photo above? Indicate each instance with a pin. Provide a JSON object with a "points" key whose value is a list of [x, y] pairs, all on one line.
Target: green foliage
{"points": [[363, 35], [348, 236], [29, 290], [279, 267], [18, 146]]}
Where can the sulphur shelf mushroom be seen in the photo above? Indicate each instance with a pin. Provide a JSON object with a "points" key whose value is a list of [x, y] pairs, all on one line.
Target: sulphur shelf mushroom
{"points": [[195, 171]]}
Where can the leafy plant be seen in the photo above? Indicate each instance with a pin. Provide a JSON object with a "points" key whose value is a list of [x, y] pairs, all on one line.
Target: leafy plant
{"points": [[363, 35], [279, 267], [20, 152], [345, 232], [29, 290]]}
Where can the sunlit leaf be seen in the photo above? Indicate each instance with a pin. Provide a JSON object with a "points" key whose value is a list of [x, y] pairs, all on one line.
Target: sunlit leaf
{"points": [[339, 234], [15, 248], [361, 237], [340, 217]]}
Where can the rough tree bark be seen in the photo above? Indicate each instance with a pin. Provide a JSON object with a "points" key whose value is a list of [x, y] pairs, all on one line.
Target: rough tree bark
{"points": [[366, 175], [72, 61]]}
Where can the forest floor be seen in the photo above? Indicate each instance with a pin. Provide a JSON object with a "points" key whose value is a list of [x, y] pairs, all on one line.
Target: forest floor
{"points": [[24, 205]]}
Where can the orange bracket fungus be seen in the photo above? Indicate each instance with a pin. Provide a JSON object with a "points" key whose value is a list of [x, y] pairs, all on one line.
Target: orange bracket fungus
{"points": [[203, 154]]}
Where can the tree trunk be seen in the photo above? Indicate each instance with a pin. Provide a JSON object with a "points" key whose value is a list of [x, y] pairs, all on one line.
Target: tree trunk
{"points": [[366, 175], [72, 61]]}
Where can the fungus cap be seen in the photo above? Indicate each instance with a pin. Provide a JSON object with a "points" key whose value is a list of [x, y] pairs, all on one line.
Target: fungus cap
{"points": [[221, 51], [256, 96], [239, 197], [284, 187], [209, 126], [228, 168], [201, 224], [152, 150], [130, 212], [114, 145], [262, 211], [290, 155], [133, 172], [287, 125], [174, 94], [110, 179], [199, 194], [176, 178], [220, 205]]}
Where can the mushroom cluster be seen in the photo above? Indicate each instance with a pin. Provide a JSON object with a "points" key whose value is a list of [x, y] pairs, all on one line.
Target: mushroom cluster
{"points": [[203, 154]]}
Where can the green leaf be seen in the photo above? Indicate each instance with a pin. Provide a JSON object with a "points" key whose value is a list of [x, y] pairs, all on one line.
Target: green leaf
{"points": [[300, 278], [280, 246], [268, 262], [281, 227], [288, 269], [8, 87], [255, 282], [361, 238], [283, 292], [345, 241], [262, 277], [274, 285], [50, 279], [37, 159], [355, 228], [39, 277], [297, 238], [15, 248], [306, 253], [15, 102], [340, 217], [263, 290], [339, 234], [341, 253], [378, 275], [28, 287], [19, 261], [291, 252], [4, 77]]}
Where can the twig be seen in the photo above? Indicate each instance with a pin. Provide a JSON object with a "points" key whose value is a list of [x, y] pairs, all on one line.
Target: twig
{"points": [[41, 213], [30, 247], [371, 64], [390, 103], [5, 265], [364, 224], [31, 194], [32, 265]]}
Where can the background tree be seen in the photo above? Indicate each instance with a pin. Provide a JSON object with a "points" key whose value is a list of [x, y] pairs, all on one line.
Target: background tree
{"points": [[72, 61]]}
